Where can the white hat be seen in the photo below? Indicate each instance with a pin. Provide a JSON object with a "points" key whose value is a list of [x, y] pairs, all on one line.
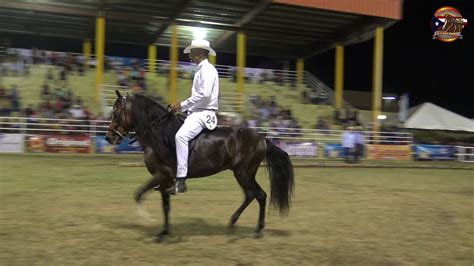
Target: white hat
{"points": [[202, 44]]}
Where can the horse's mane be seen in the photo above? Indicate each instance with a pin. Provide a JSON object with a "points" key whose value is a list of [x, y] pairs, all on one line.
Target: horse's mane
{"points": [[153, 122]]}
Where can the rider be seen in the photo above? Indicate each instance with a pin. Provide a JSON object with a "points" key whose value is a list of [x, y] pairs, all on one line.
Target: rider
{"points": [[201, 107]]}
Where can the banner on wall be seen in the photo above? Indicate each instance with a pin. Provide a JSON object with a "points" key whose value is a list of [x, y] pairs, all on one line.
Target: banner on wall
{"points": [[434, 152], [388, 152], [334, 150], [59, 143], [102, 146], [301, 149], [126, 147], [12, 143]]}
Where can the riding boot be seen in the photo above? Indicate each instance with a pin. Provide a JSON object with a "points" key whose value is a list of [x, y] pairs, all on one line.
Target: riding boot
{"points": [[179, 186]]}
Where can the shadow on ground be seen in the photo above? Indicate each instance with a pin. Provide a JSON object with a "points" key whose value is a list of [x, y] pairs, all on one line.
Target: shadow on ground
{"points": [[192, 226]]}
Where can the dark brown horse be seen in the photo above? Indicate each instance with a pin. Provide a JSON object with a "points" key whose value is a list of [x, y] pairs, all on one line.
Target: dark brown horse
{"points": [[241, 150]]}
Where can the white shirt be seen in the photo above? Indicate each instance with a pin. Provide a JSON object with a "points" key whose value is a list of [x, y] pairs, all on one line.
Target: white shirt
{"points": [[348, 140], [205, 91], [359, 138]]}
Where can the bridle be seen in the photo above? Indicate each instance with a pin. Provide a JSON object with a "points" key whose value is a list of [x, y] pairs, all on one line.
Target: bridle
{"points": [[123, 102]]}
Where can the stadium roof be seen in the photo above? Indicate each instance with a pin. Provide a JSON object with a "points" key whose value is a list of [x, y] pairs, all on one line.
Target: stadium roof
{"points": [[278, 28]]}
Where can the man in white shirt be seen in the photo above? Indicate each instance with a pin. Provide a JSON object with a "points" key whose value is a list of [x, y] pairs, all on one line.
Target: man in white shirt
{"points": [[201, 108], [348, 142]]}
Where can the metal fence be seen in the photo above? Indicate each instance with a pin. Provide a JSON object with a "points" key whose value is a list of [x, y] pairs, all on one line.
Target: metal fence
{"points": [[465, 154], [35, 125]]}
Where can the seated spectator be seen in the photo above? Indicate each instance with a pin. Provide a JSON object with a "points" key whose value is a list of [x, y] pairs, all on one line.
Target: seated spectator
{"points": [[77, 112], [29, 111], [321, 125], [45, 94], [122, 79], [5, 103], [252, 122], [63, 75], [304, 97], [14, 99]]}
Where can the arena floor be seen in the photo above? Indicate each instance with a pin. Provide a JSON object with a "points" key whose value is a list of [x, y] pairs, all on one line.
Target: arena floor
{"points": [[73, 209]]}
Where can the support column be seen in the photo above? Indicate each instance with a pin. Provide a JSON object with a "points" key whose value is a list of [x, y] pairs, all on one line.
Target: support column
{"points": [[339, 76], [377, 75], [99, 53], [174, 63], [86, 51], [300, 72], [152, 58], [212, 59], [241, 53]]}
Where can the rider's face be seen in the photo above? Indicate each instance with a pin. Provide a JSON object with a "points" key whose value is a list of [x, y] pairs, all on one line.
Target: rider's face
{"points": [[195, 56]]}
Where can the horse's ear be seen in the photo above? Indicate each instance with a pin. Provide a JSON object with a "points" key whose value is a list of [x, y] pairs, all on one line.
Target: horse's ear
{"points": [[118, 94]]}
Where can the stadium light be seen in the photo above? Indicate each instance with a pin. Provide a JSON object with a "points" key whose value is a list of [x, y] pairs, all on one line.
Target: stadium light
{"points": [[199, 33], [381, 117], [389, 98]]}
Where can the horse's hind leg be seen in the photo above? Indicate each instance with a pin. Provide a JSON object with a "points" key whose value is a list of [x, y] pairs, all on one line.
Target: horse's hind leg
{"points": [[249, 194], [166, 209], [262, 199]]}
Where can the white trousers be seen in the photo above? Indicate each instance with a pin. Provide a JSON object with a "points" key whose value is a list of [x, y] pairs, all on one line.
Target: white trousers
{"points": [[193, 125]]}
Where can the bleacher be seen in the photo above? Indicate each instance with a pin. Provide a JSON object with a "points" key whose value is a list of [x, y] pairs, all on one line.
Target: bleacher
{"points": [[286, 95]]}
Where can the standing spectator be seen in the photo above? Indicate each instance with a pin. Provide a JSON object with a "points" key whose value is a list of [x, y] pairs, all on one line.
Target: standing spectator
{"points": [[15, 99], [359, 144], [348, 141], [63, 76], [50, 75]]}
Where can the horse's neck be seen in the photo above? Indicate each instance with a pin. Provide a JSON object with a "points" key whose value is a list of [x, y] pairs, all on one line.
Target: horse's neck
{"points": [[157, 136]]}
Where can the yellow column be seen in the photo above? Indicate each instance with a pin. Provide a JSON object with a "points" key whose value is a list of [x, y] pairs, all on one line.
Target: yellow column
{"points": [[174, 63], [299, 71], [241, 50], [339, 75], [86, 51], [152, 58], [377, 75], [212, 59], [99, 53]]}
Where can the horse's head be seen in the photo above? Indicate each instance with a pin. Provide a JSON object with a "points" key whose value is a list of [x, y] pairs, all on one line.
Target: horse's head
{"points": [[121, 123]]}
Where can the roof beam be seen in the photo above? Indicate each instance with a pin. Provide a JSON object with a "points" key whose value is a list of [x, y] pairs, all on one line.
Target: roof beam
{"points": [[49, 8], [113, 15], [180, 7], [243, 21], [361, 31], [85, 12]]}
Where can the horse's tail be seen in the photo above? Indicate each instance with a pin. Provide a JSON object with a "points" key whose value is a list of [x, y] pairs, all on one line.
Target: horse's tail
{"points": [[281, 173]]}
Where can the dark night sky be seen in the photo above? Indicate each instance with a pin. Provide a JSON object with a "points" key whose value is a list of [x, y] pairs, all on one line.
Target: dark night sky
{"points": [[430, 70]]}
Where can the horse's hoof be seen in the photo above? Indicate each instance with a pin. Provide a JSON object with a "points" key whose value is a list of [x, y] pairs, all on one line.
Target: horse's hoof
{"points": [[158, 239], [160, 236], [258, 235], [230, 228]]}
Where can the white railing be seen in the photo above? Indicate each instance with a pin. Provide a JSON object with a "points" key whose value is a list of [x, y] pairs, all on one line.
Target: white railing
{"points": [[464, 154], [41, 125], [334, 136], [29, 125]]}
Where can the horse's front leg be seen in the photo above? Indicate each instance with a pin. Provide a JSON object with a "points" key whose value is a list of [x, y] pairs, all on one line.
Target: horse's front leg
{"points": [[166, 209], [153, 182]]}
